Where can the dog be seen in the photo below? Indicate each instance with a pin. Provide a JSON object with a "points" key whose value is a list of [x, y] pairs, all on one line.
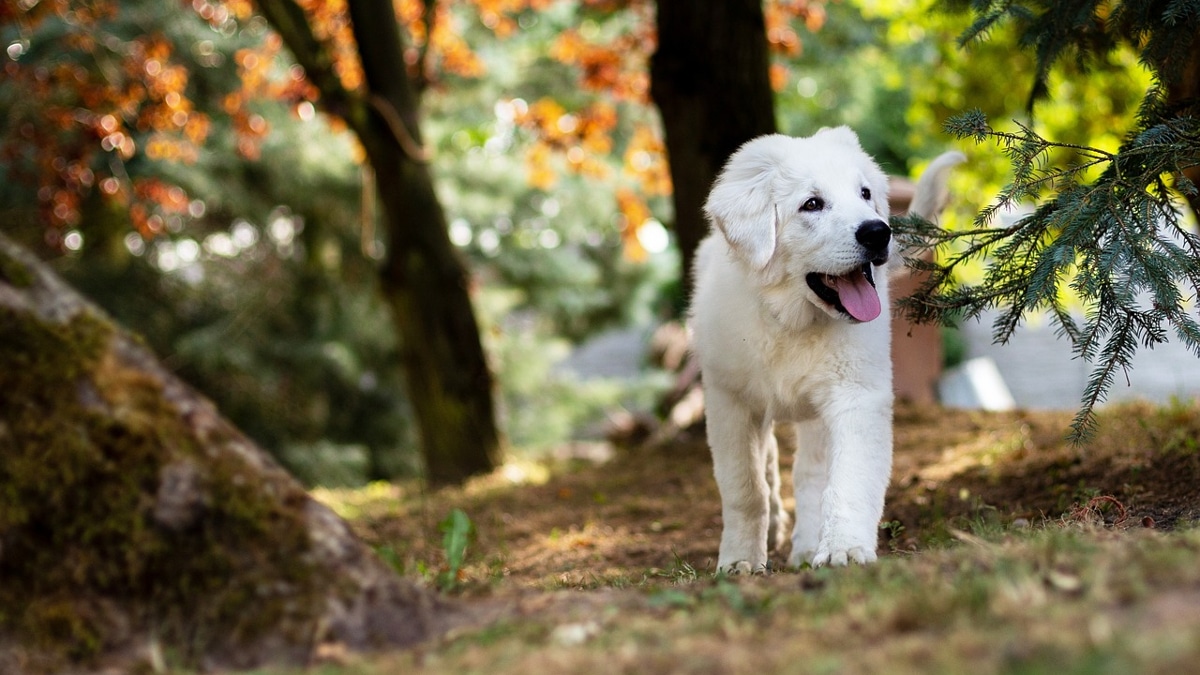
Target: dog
{"points": [[789, 326]]}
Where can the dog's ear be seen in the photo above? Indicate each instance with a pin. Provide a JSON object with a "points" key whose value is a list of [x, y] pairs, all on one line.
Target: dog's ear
{"points": [[843, 134], [742, 202]]}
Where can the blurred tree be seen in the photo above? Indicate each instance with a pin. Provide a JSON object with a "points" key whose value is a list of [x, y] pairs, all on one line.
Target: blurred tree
{"points": [[138, 111], [710, 79], [1107, 224], [118, 85], [449, 382], [271, 310]]}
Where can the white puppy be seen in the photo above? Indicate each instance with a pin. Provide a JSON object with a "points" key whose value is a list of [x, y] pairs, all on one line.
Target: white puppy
{"points": [[790, 326]]}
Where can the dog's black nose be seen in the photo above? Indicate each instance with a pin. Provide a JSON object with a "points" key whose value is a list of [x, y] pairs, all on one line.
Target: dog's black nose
{"points": [[874, 235]]}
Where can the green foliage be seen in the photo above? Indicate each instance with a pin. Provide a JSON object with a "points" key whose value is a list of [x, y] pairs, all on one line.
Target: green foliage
{"points": [[868, 90], [457, 530], [558, 249], [258, 293], [287, 334], [551, 261], [1107, 230], [1163, 31]]}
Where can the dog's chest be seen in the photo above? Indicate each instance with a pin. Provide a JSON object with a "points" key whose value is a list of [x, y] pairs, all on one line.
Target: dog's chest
{"points": [[797, 371]]}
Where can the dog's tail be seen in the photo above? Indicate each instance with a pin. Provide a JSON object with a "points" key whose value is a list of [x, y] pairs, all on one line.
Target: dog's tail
{"points": [[931, 193]]}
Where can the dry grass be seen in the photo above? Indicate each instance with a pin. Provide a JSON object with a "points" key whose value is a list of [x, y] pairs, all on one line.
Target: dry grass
{"points": [[1006, 550]]}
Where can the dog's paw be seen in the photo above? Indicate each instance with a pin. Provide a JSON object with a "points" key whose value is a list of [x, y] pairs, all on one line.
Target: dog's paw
{"points": [[805, 541], [800, 557], [743, 568], [840, 557]]}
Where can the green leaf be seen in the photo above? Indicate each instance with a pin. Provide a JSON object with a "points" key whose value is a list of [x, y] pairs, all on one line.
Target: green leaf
{"points": [[456, 531]]}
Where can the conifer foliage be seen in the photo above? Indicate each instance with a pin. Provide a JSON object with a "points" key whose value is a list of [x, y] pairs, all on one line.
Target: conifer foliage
{"points": [[1109, 227]]}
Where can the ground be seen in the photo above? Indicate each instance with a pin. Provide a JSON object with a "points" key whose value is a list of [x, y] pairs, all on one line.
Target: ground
{"points": [[1004, 547]]}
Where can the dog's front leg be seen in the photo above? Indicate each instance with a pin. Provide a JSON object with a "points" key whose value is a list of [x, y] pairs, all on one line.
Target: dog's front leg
{"points": [[738, 440], [810, 476], [859, 428]]}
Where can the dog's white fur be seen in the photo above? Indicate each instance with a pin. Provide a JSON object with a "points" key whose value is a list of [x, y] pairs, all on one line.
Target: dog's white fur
{"points": [[772, 351]]}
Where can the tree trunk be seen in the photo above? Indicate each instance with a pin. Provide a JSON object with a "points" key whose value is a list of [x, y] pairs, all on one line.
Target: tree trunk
{"points": [[1183, 95], [135, 522], [711, 82], [424, 281]]}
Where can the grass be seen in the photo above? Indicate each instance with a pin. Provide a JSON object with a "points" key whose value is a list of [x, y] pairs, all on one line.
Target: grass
{"points": [[1004, 550], [1064, 598]]}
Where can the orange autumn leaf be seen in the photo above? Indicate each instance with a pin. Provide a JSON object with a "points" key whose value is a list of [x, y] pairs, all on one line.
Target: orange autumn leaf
{"points": [[780, 34], [88, 118], [782, 38], [645, 162], [618, 67], [634, 214], [539, 172]]}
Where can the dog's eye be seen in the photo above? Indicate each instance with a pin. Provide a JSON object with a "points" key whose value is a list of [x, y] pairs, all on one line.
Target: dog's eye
{"points": [[866, 194], [813, 204]]}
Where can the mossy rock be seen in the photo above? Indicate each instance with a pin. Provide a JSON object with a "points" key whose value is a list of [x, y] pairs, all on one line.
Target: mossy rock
{"points": [[135, 522], [14, 273]]}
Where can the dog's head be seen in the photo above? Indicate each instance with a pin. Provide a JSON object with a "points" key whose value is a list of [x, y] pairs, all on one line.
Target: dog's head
{"points": [[811, 211]]}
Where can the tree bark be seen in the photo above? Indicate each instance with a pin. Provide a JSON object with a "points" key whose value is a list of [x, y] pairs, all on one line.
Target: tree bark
{"points": [[1183, 95], [711, 82], [135, 522], [424, 281]]}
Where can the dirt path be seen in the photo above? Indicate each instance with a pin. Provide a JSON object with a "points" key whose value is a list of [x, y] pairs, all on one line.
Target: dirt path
{"points": [[651, 515]]}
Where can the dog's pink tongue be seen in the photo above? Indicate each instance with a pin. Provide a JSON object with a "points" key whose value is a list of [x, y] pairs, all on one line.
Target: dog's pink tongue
{"points": [[858, 296]]}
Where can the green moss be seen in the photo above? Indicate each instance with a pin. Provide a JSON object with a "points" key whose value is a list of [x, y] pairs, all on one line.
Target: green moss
{"points": [[14, 272], [82, 442], [64, 625]]}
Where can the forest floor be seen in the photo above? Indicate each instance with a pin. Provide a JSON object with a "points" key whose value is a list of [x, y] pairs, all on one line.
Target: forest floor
{"points": [[1004, 548]]}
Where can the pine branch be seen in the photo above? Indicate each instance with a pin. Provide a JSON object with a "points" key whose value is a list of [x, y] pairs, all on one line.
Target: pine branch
{"points": [[1116, 242]]}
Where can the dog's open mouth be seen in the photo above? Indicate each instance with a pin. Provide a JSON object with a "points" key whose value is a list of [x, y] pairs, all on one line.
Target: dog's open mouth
{"points": [[852, 293]]}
